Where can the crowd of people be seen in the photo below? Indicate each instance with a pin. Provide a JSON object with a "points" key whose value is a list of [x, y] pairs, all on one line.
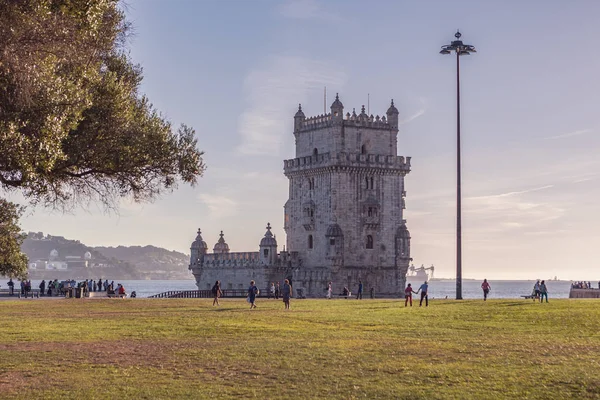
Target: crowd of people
{"points": [[61, 288], [275, 290], [583, 285]]}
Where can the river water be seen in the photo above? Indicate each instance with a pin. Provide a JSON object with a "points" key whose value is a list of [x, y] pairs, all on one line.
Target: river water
{"points": [[437, 288]]}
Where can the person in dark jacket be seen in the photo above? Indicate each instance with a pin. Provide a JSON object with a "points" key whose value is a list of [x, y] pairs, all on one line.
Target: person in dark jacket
{"points": [[286, 294]]}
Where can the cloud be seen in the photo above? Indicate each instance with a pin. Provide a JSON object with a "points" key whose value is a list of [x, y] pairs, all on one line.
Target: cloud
{"points": [[219, 206], [306, 9], [510, 210], [508, 194], [417, 114], [272, 93], [414, 116], [570, 134]]}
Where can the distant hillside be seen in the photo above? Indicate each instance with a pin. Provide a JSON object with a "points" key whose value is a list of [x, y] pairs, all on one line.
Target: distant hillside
{"points": [[135, 262], [151, 259]]}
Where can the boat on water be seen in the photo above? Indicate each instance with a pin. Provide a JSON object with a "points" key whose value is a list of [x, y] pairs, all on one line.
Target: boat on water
{"points": [[420, 273]]}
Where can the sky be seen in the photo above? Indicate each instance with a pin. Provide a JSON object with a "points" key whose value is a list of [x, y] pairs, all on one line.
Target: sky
{"points": [[236, 71]]}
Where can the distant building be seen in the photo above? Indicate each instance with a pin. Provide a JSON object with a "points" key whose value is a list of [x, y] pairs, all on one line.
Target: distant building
{"points": [[343, 218]]}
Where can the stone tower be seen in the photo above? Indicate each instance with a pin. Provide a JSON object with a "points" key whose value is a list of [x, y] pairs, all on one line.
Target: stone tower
{"points": [[344, 216]]}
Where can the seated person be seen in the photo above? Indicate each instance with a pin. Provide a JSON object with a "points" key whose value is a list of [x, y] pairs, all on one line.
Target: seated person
{"points": [[345, 292], [121, 290]]}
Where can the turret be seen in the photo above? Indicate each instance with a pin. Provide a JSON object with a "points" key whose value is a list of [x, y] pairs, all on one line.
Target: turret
{"points": [[299, 118], [392, 115], [197, 250], [402, 242], [337, 109], [221, 247], [268, 247]]}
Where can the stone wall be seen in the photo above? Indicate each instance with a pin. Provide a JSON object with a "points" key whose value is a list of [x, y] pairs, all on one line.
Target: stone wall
{"points": [[584, 294]]}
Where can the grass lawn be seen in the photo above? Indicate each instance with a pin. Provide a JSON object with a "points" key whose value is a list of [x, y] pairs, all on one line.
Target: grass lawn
{"points": [[339, 349]]}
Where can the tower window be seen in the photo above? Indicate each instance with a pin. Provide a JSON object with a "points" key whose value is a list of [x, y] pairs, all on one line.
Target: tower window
{"points": [[266, 252], [311, 183], [332, 241], [370, 212], [363, 149], [369, 242], [310, 241], [315, 151]]}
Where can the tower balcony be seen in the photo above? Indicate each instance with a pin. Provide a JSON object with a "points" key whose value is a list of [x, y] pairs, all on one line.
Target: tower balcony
{"points": [[384, 163]]}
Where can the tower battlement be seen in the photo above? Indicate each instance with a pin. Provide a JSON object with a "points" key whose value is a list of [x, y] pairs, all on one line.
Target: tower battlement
{"points": [[397, 164], [327, 120], [334, 133]]}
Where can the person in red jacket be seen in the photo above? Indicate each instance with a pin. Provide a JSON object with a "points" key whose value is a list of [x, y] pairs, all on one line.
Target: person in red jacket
{"points": [[486, 289], [408, 295]]}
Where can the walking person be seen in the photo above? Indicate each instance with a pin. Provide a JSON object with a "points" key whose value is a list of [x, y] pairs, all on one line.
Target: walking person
{"points": [[329, 290], [252, 293], [360, 290], [286, 293], [408, 295], [424, 294], [42, 287], [216, 291], [277, 291], [372, 292], [272, 290], [11, 287], [486, 289], [536, 290], [543, 291]]}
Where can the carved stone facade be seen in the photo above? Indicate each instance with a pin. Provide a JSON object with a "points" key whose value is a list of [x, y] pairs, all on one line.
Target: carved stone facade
{"points": [[344, 216]]}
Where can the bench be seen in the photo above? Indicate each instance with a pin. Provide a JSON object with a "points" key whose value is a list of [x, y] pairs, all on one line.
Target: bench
{"points": [[529, 296], [32, 293]]}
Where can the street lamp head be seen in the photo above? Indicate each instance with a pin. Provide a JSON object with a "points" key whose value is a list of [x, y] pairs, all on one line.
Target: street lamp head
{"points": [[458, 47]]}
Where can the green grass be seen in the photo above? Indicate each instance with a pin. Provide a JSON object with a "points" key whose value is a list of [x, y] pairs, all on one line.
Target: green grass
{"points": [[340, 349]]}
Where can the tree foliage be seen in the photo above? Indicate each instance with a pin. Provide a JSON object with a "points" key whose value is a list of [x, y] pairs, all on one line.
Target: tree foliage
{"points": [[12, 261], [73, 124]]}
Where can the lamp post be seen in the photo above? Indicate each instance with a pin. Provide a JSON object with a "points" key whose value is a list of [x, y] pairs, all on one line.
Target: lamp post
{"points": [[461, 49]]}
